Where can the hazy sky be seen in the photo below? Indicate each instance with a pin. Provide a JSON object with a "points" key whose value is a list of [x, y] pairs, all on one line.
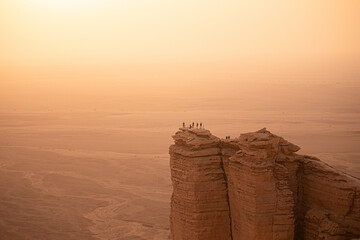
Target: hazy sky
{"points": [[154, 31], [48, 44]]}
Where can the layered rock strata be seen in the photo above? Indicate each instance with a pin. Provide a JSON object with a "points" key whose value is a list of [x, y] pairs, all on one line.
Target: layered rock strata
{"points": [[257, 187], [199, 206]]}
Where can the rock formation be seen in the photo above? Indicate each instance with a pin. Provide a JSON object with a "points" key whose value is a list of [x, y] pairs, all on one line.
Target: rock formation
{"points": [[257, 187], [199, 204]]}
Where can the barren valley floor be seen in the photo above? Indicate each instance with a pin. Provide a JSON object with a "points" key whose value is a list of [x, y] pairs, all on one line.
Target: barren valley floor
{"points": [[49, 194]]}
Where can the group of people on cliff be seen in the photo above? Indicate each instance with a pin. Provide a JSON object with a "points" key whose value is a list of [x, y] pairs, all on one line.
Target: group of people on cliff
{"points": [[192, 125]]}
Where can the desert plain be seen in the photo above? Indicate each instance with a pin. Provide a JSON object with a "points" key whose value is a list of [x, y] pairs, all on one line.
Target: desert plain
{"points": [[104, 174]]}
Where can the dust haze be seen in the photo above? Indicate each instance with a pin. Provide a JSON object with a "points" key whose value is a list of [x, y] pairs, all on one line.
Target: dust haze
{"points": [[90, 97]]}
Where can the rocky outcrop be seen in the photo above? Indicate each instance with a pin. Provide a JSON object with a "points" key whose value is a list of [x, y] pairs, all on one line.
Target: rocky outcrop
{"points": [[257, 187], [199, 205], [330, 202], [264, 187]]}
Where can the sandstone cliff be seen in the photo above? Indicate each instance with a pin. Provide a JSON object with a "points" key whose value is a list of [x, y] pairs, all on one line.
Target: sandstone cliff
{"points": [[199, 204], [257, 187]]}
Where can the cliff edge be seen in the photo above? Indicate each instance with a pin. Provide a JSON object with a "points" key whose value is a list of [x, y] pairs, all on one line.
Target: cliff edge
{"points": [[257, 187]]}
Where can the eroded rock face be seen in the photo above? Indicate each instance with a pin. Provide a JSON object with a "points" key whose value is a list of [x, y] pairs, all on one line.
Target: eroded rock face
{"points": [[264, 187], [257, 187], [330, 202], [199, 205]]}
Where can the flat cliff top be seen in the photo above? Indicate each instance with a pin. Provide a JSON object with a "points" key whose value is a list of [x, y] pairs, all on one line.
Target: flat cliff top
{"points": [[195, 138], [263, 139]]}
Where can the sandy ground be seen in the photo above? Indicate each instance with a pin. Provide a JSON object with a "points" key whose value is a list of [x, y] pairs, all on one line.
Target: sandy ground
{"points": [[82, 195], [105, 175]]}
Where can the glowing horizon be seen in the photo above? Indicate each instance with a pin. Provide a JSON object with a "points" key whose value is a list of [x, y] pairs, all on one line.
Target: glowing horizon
{"points": [[157, 47]]}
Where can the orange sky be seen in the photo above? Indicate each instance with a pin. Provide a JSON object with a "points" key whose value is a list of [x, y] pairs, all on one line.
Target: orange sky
{"points": [[47, 44], [153, 31]]}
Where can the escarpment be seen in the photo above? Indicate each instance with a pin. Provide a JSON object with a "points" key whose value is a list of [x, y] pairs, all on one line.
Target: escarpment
{"points": [[330, 202], [257, 187], [199, 205]]}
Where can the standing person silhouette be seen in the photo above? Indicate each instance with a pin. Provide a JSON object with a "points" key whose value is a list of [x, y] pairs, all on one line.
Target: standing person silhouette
{"points": [[183, 125], [193, 124], [200, 125], [197, 125]]}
